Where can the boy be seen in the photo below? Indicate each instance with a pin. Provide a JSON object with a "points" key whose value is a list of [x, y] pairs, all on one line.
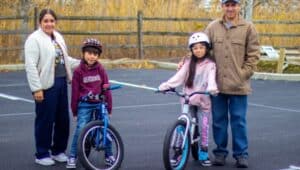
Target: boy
{"points": [[88, 79]]}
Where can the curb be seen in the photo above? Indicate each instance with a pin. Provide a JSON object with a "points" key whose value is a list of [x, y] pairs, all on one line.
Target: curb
{"points": [[172, 66]]}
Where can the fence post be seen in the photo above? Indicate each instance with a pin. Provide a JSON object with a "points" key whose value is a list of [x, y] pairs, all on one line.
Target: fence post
{"points": [[23, 11], [35, 18], [140, 34], [281, 59]]}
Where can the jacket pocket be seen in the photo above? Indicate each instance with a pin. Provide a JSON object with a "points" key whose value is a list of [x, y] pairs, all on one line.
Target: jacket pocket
{"points": [[238, 49]]}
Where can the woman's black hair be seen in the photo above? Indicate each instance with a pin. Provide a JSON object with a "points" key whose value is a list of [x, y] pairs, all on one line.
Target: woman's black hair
{"points": [[46, 11], [192, 67]]}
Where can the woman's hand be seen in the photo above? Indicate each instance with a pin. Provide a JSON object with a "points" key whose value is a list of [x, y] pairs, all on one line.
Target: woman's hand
{"points": [[38, 96]]}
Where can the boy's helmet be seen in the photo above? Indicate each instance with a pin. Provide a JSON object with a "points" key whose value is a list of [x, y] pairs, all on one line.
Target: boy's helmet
{"points": [[92, 42], [197, 38], [225, 1]]}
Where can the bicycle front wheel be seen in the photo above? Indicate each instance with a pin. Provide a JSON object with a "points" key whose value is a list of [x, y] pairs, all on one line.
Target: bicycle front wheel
{"points": [[93, 151], [174, 155]]}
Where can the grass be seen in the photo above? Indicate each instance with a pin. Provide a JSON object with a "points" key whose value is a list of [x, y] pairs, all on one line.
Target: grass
{"points": [[150, 8]]}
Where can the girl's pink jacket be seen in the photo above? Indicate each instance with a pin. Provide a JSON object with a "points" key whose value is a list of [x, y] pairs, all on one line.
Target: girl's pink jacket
{"points": [[204, 80]]}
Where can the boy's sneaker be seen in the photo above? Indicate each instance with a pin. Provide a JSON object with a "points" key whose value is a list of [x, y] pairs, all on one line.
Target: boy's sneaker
{"points": [[71, 163], [62, 157], [242, 162], [110, 160], [45, 161], [176, 158], [206, 162]]}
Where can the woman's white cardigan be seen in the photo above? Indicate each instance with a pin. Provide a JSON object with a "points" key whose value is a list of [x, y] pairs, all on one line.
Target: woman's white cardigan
{"points": [[40, 60]]}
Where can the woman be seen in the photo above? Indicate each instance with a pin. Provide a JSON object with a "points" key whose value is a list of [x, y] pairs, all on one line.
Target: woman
{"points": [[48, 69]]}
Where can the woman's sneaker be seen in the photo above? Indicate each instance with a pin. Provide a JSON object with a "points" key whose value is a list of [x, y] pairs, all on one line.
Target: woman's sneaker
{"points": [[62, 157], [71, 163], [45, 161], [110, 160]]}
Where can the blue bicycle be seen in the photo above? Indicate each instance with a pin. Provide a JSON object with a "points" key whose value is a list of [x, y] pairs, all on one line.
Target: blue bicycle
{"points": [[182, 136], [99, 137]]}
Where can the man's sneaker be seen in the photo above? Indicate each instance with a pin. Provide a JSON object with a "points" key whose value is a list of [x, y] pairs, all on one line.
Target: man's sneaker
{"points": [[176, 158], [206, 162], [62, 157], [242, 162], [71, 163], [45, 161], [219, 160], [110, 160]]}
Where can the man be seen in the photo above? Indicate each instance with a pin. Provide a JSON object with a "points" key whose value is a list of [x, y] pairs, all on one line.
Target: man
{"points": [[236, 52]]}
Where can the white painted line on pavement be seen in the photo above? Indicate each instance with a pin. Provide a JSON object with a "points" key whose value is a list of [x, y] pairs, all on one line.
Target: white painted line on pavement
{"points": [[274, 108], [10, 97], [132, 106], [114, 108], [13, 85], [154, 89], [144, 105], [133, 85], [292, 167], [16, 114]]}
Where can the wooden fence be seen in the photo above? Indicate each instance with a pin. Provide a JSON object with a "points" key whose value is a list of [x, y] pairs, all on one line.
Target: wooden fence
{"points": [[139, 33]]}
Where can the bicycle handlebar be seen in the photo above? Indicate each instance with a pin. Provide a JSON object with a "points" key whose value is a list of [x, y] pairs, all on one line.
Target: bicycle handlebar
{"points": [[181, 94]]}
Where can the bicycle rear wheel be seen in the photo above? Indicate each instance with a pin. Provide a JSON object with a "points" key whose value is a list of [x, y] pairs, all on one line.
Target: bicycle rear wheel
{"points": [[92, 150], [174, 156]]}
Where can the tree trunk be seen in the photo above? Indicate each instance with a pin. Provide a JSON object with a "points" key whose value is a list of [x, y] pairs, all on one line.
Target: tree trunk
{"points": [[248, 10]]}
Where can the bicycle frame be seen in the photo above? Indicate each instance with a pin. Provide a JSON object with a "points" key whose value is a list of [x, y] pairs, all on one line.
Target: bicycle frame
{"points": [[102, 115], [186, 117]]}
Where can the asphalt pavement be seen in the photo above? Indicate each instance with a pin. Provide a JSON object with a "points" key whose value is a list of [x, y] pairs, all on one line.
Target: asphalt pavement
{"points": [[142, 118]]}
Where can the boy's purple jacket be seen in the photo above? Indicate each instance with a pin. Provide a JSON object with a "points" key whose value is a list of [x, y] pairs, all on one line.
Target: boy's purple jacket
{"points": [[89, 79]]}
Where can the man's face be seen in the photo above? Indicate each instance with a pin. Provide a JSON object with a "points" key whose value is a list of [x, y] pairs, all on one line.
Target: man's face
{"points": [[231, 10]]}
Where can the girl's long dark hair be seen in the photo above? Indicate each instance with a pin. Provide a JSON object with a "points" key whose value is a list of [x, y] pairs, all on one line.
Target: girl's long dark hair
{"points": [[192, 67]]}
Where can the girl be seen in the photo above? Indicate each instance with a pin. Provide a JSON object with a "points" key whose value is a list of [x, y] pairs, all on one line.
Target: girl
{"points": [[48, 69], [197, 74]]}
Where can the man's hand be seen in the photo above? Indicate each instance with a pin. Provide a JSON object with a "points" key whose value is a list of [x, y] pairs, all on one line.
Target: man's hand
{"points": [[214, 92], [182, 61]]}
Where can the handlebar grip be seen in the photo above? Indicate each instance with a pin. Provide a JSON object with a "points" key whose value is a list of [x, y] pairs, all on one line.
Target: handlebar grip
{"points": [[114, 87]]}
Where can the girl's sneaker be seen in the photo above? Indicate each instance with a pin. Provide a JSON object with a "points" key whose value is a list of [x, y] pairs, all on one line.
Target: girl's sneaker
{"points": [[71, 163], [203, 158]]}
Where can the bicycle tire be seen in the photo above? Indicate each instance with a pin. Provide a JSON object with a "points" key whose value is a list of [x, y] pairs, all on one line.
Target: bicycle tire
{"points": [[85, 159], [195, 146], [167, 145]]}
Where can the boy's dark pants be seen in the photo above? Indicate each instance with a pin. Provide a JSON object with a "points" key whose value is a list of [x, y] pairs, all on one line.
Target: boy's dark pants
{"points": [[52, 120]]}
